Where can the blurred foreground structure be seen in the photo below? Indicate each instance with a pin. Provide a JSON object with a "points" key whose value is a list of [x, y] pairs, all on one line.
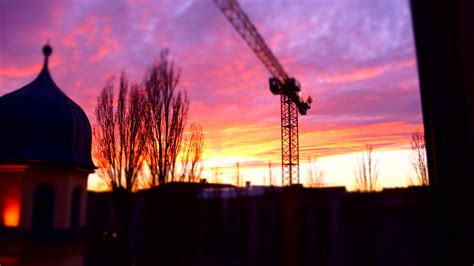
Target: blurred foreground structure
{"points": [[216, 224], [212, 224]]}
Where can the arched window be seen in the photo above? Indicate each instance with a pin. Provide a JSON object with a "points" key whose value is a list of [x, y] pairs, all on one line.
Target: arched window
{"points": [[75, 207], [43, 208]]}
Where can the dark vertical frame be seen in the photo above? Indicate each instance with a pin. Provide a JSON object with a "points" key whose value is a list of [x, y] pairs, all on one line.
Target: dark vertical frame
{"points": [[444, 36]]}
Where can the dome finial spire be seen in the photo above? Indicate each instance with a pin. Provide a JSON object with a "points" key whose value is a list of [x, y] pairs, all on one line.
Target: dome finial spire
{"points": [[47, 51]]}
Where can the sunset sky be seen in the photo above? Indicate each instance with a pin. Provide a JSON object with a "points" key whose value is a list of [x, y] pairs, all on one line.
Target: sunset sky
{"points": [[355, 58]]}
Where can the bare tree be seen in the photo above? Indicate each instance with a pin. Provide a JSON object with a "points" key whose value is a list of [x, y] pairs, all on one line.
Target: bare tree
{"points": [[315, 175], [418, 159], [120, 145], [167, 116], [105, 138], [366, 171], [191, 158]]}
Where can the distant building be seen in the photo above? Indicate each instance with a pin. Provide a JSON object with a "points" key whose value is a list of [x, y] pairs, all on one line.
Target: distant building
{"points": [[45, 157]]}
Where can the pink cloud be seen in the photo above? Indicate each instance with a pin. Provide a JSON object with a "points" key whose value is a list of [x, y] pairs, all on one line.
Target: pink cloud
{"points": [[356, 58]]}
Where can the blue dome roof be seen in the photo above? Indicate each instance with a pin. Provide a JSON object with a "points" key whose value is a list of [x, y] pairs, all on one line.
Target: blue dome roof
{"points": [[41, 125]]}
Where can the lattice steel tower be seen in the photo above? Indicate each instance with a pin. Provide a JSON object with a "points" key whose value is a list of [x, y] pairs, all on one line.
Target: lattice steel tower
{"points": [[281, 84]]}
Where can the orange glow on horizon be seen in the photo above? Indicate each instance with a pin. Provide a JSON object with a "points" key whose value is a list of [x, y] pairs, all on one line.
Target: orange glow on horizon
{"points": [[254, 146], [11, 212]]}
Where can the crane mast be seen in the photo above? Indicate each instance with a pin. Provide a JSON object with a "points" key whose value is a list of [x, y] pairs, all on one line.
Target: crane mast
{"points": [[280, 84]]}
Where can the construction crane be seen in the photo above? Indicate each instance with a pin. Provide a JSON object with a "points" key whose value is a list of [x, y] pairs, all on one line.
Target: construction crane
{"points": [[280, 83]]}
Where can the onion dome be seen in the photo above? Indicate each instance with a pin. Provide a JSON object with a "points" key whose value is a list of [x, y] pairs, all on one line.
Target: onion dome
{"points": [[39, 124]]}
